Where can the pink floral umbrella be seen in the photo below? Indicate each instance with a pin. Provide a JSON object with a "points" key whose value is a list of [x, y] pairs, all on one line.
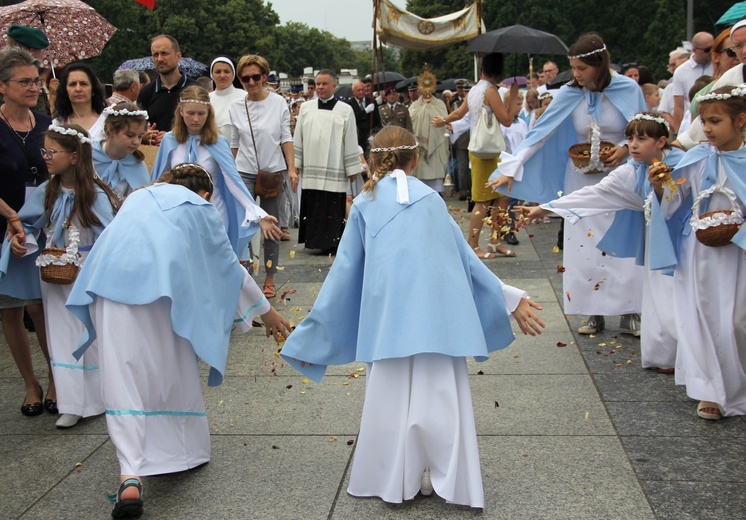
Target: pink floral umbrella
{"points": [[74, 29]]}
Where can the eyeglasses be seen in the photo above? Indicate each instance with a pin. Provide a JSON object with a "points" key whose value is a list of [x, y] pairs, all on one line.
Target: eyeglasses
{"points": [[28, 82], [549, 70], [249, 77], [729, 52], [48, 153], [706, 50]]}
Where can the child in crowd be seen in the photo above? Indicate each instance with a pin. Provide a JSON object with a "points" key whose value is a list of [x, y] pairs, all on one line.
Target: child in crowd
{"points": [[417, 431], [152, 321], [195, 139], [116, 158], [70, 211], [709, 295], [627, 188], [652, 95]]}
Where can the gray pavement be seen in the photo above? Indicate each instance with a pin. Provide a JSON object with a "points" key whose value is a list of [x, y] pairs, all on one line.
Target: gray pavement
{"points": [[580, 432]]}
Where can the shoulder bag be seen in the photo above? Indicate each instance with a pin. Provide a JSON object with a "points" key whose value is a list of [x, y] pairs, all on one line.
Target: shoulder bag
{"points": [[267, 184], [486, 140]]}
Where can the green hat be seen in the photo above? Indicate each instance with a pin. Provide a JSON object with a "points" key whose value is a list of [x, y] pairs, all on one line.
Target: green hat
{"points": [[29, 36]]}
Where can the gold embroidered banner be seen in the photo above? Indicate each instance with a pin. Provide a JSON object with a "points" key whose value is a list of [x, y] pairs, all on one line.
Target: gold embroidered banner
{"points": [[403, 29]]}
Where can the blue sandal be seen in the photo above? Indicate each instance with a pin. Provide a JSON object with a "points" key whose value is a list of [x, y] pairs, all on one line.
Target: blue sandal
{"points": [[130, 507]]}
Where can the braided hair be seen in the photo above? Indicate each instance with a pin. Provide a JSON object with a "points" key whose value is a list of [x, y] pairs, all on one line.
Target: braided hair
{"points": [[393, 147], [189, 175]]}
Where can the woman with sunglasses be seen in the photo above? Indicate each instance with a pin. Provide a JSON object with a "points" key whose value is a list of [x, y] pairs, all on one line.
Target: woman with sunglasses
{"points": [[21, 138], [724, 58], [261, 140]]}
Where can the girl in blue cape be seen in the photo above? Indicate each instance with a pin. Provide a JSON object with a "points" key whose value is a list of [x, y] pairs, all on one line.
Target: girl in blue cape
{"points": [[68, 211], [627, 191], [195, 139], [117, 159], [414, 329], [709, 294], [162, 287], [596, 105]]}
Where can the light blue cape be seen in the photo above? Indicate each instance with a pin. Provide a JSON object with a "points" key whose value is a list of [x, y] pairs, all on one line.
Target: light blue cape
{"points": [[166, 242], [625, 238], [667, 234], [238, 235], [129, 169], [404, 282], [19, 277], [544, 172]]}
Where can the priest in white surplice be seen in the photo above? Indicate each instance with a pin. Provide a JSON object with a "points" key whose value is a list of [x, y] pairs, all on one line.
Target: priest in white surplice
{"points": [[326, 155]]}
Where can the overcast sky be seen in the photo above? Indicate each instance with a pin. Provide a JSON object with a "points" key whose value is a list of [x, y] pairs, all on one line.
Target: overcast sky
{"points": [[351, 19]]}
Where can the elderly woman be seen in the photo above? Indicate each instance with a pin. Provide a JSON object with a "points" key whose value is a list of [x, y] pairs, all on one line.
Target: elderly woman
{"points": [[21, 138], [261, 140], [223, 73], [81, 100]]}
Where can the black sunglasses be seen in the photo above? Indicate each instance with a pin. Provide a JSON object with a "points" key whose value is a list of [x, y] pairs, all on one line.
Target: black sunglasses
{"points": [[729, 52], [247, 78], [705, 50]]}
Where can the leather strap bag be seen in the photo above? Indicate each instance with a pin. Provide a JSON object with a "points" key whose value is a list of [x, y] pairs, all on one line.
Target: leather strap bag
{"points": [[267, 184]]}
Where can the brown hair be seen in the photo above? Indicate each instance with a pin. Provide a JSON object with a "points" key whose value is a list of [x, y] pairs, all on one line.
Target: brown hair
{"points": [[252, 59], [118, 123], [85, 181], [600, 60], [717, 46], [648, 128], [209, 133], [385, 161], [192, 176], [733, 106]]}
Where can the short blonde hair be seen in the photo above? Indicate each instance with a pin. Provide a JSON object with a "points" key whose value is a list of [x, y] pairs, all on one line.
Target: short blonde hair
{"points": [[252, 59]]}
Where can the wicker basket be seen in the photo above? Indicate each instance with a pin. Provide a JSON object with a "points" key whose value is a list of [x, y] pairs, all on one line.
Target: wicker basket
{"points": [[58, 274], [717, 235], [581, 154]]}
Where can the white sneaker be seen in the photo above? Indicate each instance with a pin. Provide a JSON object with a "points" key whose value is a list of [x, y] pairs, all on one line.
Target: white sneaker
{"points": [[630, 324], [426, 486], [594, 325], [67, 420]]}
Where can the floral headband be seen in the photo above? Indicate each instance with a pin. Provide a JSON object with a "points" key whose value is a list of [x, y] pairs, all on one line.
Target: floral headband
{"points": [[545, 95], [602, 49], [109, 111], [394, 148], [647, 117], [739, 91], [70, 131], [198, 101]]}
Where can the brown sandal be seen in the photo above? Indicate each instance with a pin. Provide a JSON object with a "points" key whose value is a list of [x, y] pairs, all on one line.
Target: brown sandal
{"points": [[269, 290]]}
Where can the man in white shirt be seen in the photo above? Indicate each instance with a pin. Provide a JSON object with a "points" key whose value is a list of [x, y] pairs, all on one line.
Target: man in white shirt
{"points": [[699, 64], [326, 155], [665, 106]]}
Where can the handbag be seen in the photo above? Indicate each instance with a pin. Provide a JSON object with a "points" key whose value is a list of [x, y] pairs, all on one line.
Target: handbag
{"points": [[486, 140], [268, 184]]}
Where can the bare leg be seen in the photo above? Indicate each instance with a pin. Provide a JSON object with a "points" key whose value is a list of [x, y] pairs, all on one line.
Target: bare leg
{"points": [[476, 221], [36, 312], [499, 210], [20, 349]]}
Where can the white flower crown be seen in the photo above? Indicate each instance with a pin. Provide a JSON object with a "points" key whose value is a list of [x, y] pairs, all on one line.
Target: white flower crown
{"points": [[70, 131], [394, 148], [648, 117], [739, 91], [602, 49], [198, 101], [109, 111], [545, 95]]}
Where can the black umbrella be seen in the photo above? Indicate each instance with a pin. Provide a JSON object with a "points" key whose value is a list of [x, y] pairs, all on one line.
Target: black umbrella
{"points": [[561, 78], [517, 39], [343, 91], [386, 78], [450, 84], [404, 84]]}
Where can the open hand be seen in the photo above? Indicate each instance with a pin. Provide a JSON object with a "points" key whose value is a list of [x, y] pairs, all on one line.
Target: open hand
{"points": [[275, 325], [269, 228], [527, 319], [502, 180]]}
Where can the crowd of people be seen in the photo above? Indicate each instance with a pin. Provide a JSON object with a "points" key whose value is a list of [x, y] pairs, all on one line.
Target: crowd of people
{"points": [[151, 198]]}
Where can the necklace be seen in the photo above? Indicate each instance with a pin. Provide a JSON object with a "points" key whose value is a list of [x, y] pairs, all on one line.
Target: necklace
{"points": [[30, 126]]}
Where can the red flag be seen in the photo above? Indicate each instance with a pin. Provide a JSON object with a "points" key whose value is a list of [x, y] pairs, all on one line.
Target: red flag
{"points": [[150, 4]]}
